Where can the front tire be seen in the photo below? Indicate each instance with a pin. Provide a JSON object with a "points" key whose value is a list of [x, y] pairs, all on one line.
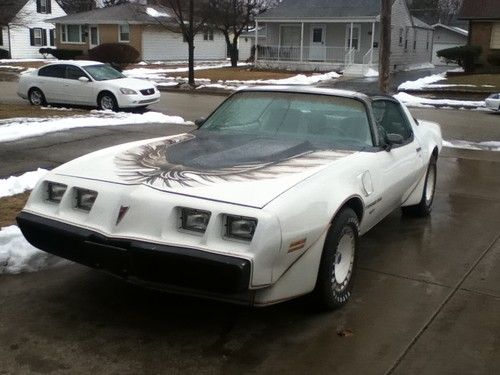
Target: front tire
{"points": [[338, 262], [424, 208], [107, 102], [36, 97]]}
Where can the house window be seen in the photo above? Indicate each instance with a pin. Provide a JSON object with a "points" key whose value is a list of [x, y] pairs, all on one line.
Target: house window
{"points": [[43, 6], [52, 37], [495, 36], [1, 36], [356, 32], [38, 37], [73, 34], [124, 33], [414, 39], [407, 31], [208, 35], [401, 31]]}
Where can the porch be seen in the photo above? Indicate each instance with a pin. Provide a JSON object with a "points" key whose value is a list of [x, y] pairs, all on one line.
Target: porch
{"points": [[348, 46]]}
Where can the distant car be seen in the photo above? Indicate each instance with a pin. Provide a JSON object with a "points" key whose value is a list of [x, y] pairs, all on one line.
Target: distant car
{"points": [[493, 102], [264, 202], [86, 83]]}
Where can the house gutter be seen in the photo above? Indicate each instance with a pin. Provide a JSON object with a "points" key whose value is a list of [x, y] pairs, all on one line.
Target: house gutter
{"points": [[319, 20]]}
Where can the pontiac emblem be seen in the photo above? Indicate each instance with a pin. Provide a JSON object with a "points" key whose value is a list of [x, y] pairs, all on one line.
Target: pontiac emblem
{"points": [[121, 213]]}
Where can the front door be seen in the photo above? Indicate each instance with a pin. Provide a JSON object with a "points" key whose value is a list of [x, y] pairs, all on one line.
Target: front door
{"points": [[94, 37], [317, 51]]}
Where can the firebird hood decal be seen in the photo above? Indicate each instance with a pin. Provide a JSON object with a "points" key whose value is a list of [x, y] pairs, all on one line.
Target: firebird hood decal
{"points": [[190, 160]]}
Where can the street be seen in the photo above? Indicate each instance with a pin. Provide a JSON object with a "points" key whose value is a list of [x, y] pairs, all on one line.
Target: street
{"points": [[426, 299]]}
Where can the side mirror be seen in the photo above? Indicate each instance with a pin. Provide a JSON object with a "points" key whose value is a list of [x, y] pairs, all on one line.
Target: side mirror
{"points": [[199, 122], [392, 139], [84, 79]]}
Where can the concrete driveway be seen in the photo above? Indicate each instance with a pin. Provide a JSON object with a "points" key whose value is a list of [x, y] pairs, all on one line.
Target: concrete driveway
{"points": [[427, 295]]}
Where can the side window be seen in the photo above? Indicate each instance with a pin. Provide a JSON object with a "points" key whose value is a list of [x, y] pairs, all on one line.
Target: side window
{"points": [[55, 71], [391, 119], [73, 72]]}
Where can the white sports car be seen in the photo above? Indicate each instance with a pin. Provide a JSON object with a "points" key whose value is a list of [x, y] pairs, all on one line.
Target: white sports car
{"points": [[86, 83], [493, 102], [263, 203]]}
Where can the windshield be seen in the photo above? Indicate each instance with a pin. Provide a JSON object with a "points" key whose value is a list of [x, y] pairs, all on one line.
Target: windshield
{"points": [[103, 72], [321, 120]]}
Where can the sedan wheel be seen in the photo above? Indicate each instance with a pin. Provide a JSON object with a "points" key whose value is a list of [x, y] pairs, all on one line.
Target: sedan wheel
{"points": [[338, 262], [107, 102], [36, 97]]}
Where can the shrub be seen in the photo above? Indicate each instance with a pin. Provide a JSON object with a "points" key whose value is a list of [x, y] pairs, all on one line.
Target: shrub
{"points": [[61, 54], [4, 54], [465, 56], [118, 55], [494, 58]]}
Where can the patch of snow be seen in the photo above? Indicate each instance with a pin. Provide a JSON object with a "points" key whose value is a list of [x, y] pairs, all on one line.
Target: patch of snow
{"points": [[416, 101], [421, 83], [49, 107], [17, 255], [12, 67], [155, 14], [438, 86], [219, 86], [159, 73], [25, 127], [419, 67], [487, 86], [24, 60], [19, 184], [457, 70], [479, 146], [371, 73], [142, 63]]}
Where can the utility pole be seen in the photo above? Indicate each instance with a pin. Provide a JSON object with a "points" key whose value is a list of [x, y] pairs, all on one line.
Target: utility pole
{"points": [[385, 46]]}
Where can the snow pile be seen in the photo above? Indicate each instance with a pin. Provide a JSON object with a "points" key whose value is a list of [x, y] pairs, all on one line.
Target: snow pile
{"points": [[416, 101], [160, 73], [25, 127], [155, 14], [19, 184], [371, 73], [421, 83], [11, 67], [419, 67], [17, 255], [480, 146]]}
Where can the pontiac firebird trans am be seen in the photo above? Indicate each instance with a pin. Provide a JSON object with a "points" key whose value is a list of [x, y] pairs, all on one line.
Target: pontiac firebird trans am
{"points": [[264, 202]]}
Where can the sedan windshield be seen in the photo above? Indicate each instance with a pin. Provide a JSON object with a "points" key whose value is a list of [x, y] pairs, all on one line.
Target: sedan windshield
{"points": [[321, 120], [103, 72]]}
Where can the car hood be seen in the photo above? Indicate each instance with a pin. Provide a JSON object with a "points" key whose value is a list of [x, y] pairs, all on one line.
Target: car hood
{"points": [[131, 83], [240, 169]]}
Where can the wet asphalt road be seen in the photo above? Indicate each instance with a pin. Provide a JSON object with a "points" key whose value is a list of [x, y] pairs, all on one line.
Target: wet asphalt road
{"points": [[427, 297]]}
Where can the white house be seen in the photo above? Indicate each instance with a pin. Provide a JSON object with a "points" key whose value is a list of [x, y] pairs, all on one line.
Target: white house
{"points": [[23, 26], [447, 37]]}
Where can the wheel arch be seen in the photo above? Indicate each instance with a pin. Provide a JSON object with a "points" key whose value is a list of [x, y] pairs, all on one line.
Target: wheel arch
{"points": [[355, 203], [104, 91]]}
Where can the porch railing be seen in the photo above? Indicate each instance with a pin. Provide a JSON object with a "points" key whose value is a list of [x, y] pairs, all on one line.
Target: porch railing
{"points": [[305, 54], [349, 57], [370, 59]]}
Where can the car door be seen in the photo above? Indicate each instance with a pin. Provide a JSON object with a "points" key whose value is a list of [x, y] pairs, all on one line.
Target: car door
{"points": [[80, 92], [50, 82], [398, 168]]}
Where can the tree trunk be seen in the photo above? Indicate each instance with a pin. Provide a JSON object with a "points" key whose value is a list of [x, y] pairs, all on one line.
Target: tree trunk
{"points": [[190, 41], [233, 51], [385, 47]]}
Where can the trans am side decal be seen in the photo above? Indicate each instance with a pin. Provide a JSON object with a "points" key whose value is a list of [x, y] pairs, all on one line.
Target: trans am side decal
{"points": [[190, 160]]}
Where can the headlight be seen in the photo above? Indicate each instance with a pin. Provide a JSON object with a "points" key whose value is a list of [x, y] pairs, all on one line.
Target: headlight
{"points": [[55, 191], [242, 228], [126, 91], [85, 199], [195, 220]]}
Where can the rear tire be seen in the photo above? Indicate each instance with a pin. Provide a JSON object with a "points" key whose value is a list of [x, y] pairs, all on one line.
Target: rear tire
{"points": [[424, 208], [107, 102], [36, 97], [338, 262]]}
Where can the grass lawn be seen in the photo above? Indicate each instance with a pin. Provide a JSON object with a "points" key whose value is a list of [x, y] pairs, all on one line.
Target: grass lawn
{"points": [[240, 74], [477, 79], [11, 207], [19, 110]]}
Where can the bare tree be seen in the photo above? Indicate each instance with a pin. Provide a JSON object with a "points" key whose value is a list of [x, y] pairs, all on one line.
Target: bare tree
{"points": [[385, 46], [77, 6], [189, 18], [448, 9], [232, 17]]}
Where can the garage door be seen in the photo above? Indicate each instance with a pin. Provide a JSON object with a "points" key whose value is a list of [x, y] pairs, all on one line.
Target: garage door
{"points": [[438, 47]]}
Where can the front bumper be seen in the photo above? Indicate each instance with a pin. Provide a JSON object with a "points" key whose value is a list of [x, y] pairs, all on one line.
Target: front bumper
{"points": [[493, 104], [129, 101], [149, 262]]}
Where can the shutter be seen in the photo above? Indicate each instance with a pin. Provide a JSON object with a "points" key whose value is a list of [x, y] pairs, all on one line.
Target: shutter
{"points": [[44, 37], [495, 36], [32, 37], [38, 7], [52, 37], [49, 6]]}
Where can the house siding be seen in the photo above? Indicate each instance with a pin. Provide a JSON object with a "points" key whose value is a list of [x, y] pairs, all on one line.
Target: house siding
{"points": [[27, 19], [445, 36], [4, 41]]}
